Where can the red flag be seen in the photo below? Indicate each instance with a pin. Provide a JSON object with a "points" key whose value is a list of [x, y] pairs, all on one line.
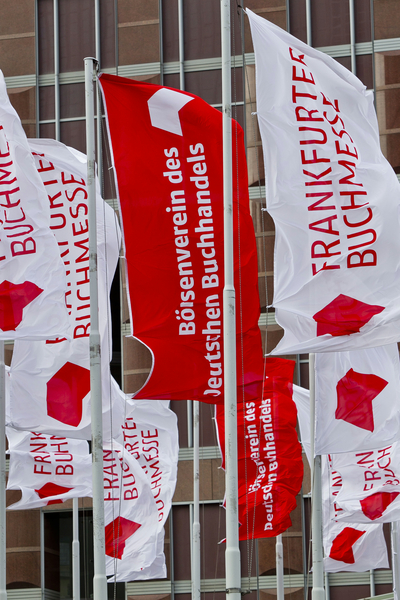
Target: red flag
{"points": [[270, 466], [167, 154]]}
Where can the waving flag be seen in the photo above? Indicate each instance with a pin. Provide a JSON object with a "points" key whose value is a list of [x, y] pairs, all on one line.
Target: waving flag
{"points": [[347, 546], [55, 374], [357, 399], [370, 489], [333, 196], [47, 469], [270, 466], [130, 512], [170, 190], [32, 280], [150, 436]]}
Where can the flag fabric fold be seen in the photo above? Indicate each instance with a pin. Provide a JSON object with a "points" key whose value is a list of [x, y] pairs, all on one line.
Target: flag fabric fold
{"points": [[270, 466], [32, 283], [170, 191], [370, 489], [349, 546], [333, 196], [130, 512], [55, 374], [47, 469], [357, 399]]}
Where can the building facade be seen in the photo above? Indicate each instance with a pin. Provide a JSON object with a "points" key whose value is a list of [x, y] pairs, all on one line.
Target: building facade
{"points": [[42, 46]]}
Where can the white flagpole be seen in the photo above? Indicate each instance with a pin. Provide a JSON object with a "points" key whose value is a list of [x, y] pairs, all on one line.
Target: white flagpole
{"points": [[395, 559], [99, 580], [280, 587], [232, 552], [318, 592], [3, 574], [76, 584], [371, 583], [196, 505]]}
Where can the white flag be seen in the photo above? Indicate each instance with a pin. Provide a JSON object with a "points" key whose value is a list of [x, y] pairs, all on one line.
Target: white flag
{"points": [[48, 469], [150, 436], [370, 491], [130, 512], [357, 399], [50, 380], [348, 547], [32, 276], [334, 198], [157, 570]]}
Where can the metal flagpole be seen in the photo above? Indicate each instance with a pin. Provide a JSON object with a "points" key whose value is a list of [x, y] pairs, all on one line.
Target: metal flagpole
{"points": [[318, 592], [280, 588], [232, 552], [76, 583], [395, 559], [196, 505], [3, 574], [371, 583], [99, 580]]}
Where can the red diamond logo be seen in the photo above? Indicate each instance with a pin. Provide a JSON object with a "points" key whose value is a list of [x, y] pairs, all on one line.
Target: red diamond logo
{"points": [[375, 505], [13, 299], [65, 393], [355, 393], [344, 316], [342, 546], [52, 489], [117, 532]]}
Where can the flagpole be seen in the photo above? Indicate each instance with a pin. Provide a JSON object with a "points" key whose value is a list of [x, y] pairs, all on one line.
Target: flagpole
{"points": [[395, 559], [232, 552], [99, 580], [318, 592], [196, 505], [280, 588], [76, 584], [3, 573]]}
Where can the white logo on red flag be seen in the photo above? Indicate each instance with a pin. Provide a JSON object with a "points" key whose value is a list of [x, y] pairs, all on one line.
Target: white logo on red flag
{"points": [[164, 107]]}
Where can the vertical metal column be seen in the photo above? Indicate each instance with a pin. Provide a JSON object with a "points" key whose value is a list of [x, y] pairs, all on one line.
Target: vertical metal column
{"points": [[394, 538], [232, 552], [318, 592], [352, 37], [37, 112], [181, 46], [99, 580], [3, 575], [196, 576], [56, 70], [99, 116], [42, 569], [308, 22], [280, 586], [371, 583], [76, 583]]}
